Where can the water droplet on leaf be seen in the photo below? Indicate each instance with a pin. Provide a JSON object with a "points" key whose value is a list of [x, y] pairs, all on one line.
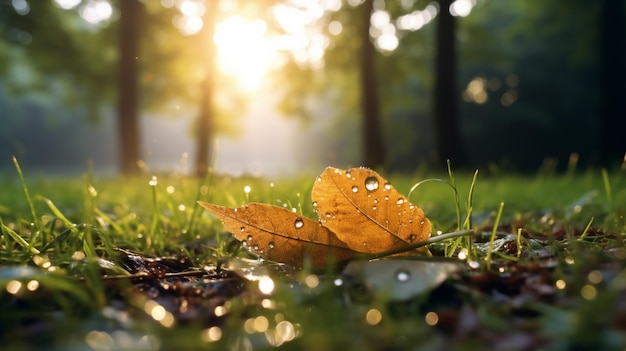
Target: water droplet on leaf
{"points": [[403, 275], [299, 223], [371, 183], [249, 237], [400, 201], [271, 244], [355, 189], [387, 186]]}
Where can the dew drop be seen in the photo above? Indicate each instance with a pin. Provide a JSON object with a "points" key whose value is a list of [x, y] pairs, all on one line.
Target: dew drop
{"points": [[348, 175], [403, 275], [319, 179], [387, 198], [244, 243], [387, 186], [249, 237], [374, 208], [243, 229], [255, 247], [371, 183], [271, 245], [400, 201], [299, 223], [412, 237], [355, 189], [473, 264], [314, 203], [327, 215]]}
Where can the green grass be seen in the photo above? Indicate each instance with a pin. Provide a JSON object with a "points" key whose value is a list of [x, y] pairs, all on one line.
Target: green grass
{"points": [[60, 237]]}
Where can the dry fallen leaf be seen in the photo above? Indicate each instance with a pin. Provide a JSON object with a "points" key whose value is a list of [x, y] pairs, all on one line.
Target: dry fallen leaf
{"points": [[280, 235], [359, 212], [365, 211]]}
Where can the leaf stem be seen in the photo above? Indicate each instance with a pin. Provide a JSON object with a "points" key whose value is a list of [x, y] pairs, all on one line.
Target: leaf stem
{"points": [[418, 244]]}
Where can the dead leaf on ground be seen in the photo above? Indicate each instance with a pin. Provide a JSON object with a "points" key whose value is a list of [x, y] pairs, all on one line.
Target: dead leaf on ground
{"points": [[366, 212], [359, 212], [280, 235]]}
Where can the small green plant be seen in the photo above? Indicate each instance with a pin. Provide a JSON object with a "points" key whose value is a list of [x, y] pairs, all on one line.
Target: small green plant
{"points": [[461, 226]]}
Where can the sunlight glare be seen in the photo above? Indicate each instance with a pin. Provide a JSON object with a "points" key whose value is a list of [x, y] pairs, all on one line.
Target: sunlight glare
{"points": [[383, 31], [266, 285], [355, 3], [21, 7], [462, 8], [331, 5], [417, 19], [191, 8], [302, 39], [67, 4], [335, 28], [188, 25], [96, 11], [244, 51]]}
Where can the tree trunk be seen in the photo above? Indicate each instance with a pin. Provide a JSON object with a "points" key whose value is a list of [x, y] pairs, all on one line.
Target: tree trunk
{"points": [[613, 143], [373, 146], [204, 123], [447, 136], [128, 99]]}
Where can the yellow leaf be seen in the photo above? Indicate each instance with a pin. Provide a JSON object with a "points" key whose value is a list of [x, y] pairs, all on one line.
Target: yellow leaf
{"points": [[359, 212], [280, 235], [366, 212]]}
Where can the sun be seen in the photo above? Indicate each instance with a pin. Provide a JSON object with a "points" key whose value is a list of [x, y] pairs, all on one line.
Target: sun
{"points": [[244, 50]]}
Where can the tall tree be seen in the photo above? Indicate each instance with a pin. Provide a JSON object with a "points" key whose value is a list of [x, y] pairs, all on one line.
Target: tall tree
{"points": [[205, 121], [373, 146], [130, 32], [613, 81], [447, 136]]}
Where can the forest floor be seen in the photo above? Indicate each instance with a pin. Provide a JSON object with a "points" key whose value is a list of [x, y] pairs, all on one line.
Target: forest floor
{"points": [[136, 264]]}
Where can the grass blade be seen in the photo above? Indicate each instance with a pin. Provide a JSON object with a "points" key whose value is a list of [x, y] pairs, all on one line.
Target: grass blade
{"points": [[29, 200], [493, 235], [17, 238]]}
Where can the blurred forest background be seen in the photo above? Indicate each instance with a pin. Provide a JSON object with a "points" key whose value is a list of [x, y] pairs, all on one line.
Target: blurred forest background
{"points": [[295, 85]]}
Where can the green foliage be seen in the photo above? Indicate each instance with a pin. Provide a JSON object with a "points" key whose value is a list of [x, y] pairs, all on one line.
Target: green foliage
{"points": [[71, 243]]}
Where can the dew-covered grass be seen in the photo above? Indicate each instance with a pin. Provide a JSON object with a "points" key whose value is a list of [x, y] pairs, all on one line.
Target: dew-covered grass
{"points": [[66, 283]]}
